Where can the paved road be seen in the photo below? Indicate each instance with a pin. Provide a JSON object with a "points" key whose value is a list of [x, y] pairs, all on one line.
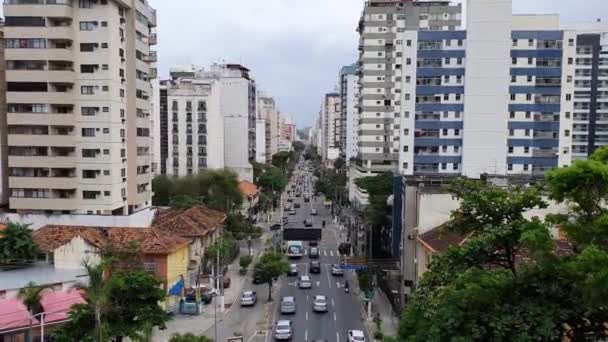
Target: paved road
{"points": [[344, 309]]}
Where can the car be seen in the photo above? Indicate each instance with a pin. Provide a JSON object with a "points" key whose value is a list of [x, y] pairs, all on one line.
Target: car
{"points": [[356, 336], [285, 220], [313, 243], [292, 212], [288, 305], [293, 270], [313, 253], [307, 223], [296, 205], [315, 267], [298, 194], [283, 330], [306, 199], [290, 199], [313, 212], [257, 277], [287, 207], [319, 304], [336, 270], [304, 282], [249, 298]]}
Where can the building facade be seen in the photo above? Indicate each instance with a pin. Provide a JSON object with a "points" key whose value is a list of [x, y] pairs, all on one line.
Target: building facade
{"points": [[330, 127], [78, 103], [349, 123]]}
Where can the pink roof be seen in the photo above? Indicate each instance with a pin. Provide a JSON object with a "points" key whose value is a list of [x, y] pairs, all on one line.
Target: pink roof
{"points": [[14, 315], [57, 304]]}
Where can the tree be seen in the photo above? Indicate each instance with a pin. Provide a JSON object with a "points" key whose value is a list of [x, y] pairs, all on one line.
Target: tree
{"points": [[163, 190], [508, 282], [189, 337], [298, 146], [220, 189], [227, 249], [240, 228], [30, 295], [17, 247], [339, 163], [120, 303], [184, 202], [281, 159], [270, 266]]}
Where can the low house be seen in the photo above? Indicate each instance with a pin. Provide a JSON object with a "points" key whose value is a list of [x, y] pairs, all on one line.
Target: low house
{"points": [[434, 241], [201, 225], [164, 254], [251, 195]]}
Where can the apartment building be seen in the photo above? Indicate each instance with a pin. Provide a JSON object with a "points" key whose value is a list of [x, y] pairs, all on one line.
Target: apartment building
{"points": [[194, 123], [349, 112], [4, 189], [260, 141], [210, 113], [330, 135], [78, 105], [268, 111]]}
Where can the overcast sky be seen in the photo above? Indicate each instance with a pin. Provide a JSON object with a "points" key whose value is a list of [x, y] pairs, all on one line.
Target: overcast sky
{"points": [[295, 48]]}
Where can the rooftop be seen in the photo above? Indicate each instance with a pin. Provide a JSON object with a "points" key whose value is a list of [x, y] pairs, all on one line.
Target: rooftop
{"points": [[194, 222], [41, 273]]}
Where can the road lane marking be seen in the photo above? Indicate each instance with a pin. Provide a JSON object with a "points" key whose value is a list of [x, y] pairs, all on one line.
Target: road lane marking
{"points": [[306, 298], [324, 252], [332, 302], [318, 283], [331, 253], [307, 315], [328, 277], [306, 335], [337, 336], [335, 317]]}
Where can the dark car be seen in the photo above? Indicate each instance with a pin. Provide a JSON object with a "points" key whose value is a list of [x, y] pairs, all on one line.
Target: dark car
{"points": [[257, 278], [296, 205], [315, 267], [307, 223], [313, 243]]}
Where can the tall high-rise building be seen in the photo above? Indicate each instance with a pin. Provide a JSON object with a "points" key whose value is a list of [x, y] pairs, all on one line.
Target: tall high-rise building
{"points": [[209, 114], [330, 127], [349, 112], [268, 111], [78, 101]]}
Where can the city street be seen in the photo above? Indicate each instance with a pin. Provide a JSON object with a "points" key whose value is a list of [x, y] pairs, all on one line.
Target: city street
{"points": [[344, 309]]}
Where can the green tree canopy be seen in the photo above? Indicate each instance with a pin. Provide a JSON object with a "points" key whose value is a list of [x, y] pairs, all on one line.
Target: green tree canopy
{"points": [[240, 228], [17, 247], [379, 188], [298, 146], [189, 337], [281, 159], [486, 290], [270, 266]]}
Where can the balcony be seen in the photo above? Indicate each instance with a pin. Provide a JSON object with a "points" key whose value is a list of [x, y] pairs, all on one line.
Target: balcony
{"points": [[40, 97], [151, 58], [44, 203], [41, 140], [544, 153], [52, 32], [153, 39], [42, 161], [51, 54], [44, 182], [61, 76], [39, 119], [50, 8]]}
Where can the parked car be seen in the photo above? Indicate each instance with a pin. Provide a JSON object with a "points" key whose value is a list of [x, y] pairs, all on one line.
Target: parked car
{"points": [[319, 304], [288, 305], [313, 212], [293, 270], [304, 282], [314, 253], [356, 336], [313, 243], [249, 298], [307, 223], [257, 277], [336, 270], [296, 205], [315, 267], [292, 212], [283, 330]]}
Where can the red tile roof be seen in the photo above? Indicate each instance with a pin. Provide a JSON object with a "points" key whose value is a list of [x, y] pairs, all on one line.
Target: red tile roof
{"points": [[150, 241], [248, 189], [438, 240], [194, 222]]}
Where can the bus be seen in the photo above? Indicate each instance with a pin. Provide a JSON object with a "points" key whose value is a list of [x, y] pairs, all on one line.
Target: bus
{"points": [[295, 249]]}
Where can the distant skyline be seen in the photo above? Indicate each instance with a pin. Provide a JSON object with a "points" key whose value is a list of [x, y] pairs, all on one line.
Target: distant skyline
{"points": [[294, 48]]}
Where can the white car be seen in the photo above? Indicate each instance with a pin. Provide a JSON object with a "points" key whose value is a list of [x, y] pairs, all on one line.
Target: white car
{"points": [[283, 330], [356, 336], [249, 298], [319, 304], [336, 270], [305, 282]]}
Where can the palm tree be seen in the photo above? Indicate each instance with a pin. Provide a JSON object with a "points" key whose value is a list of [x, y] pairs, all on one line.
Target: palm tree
{"points": [[30, 295], [97, 295], [189, 337]]}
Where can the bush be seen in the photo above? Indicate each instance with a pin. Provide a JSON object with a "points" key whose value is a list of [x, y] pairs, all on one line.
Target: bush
{"points": [[378, 335], [245, 261], [243, 271]]}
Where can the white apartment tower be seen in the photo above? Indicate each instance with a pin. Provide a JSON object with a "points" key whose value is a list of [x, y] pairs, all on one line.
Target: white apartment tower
{"points": [[78, 101], [268, 111], [349, 124], [330, 126]]}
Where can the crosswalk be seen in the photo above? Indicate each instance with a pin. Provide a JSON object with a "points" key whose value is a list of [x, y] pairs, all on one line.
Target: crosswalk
{"points": [[325, 252]]}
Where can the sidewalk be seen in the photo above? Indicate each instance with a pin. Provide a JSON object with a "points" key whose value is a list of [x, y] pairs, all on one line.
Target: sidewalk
{"points": [[389, 324], [200, 324]]}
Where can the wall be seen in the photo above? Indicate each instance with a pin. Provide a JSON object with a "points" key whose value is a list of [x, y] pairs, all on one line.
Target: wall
{"points": [[486, 87], [177, 265], [139, 219], [260, 141], [73, 254], [235, 110]]}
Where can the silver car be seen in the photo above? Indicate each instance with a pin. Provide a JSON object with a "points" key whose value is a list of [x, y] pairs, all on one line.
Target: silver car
{"points": [[283, 330], [319, 304], [288, 305], [249, 298], [305, 282]]}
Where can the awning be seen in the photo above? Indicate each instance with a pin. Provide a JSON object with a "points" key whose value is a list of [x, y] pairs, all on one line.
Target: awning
{"points": [[14, 315], [57, 304]]}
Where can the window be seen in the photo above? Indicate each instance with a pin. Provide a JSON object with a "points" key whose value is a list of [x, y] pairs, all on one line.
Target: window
{"points": [[86, 3], [569, 79], [456, 132], [104, 24], [408, 79], [459, 79], [456, 149], [406, 148], [567, 133], [455, 167], [457, 115], [87, 90], [89, 174], [407, 97], [446, 97], [444, 149], [511, 132], [106, 172], [527, 132], [405, 165], [528, 97], [106, 151], [89, 153], [530, 42], [105, 67], [105, 109], [459, 42], [567, 114], [88, 132], [88, 25], [514, 42], [106, 193], [89, 111], [568, 97], [406, 131], [408, 42], [459, 61], [446, 79], [106, 130], [105, 88], [510, 167], [447, 61], [87, 68], [30, 43], [408, 61], [570, 42], [570, 60], [525, 167], [445, 115], [444, 166], [513, 79], [104, 45], [528, 115], [526, 150], [514, 61], [512, 115], [89, 194], [530, 60], [444, 131], [529, 79], [406, 115], [87, 47], [513, 97], [457, 97]]}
